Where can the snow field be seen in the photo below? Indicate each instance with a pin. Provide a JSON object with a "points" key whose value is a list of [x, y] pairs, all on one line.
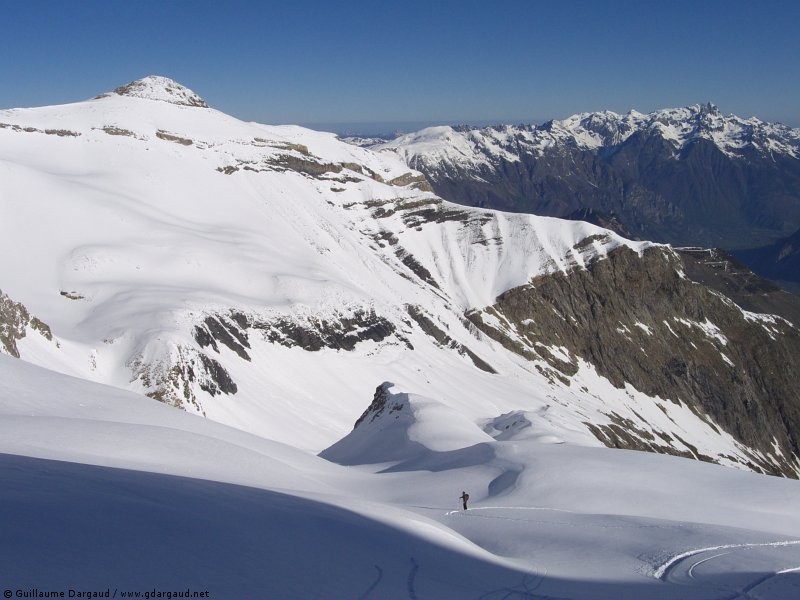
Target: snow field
{"points": [[103, 487]]}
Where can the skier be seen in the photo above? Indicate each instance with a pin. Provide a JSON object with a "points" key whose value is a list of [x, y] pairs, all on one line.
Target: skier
{"points": [[464, 497]]}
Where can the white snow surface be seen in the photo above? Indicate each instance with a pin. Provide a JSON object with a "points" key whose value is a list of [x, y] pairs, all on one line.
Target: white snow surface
{"points": [[107, 490], [123, 231], [131, 218]]}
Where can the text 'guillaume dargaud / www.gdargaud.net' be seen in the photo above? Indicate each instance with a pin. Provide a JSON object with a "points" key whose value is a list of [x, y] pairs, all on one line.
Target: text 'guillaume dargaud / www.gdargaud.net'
{"points": [[106, 593]]}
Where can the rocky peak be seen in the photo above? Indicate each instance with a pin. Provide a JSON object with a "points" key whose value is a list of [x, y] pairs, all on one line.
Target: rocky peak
{"points": [[709, 108], [15, 323], [380, 402], [611, 127], [156, 87]]}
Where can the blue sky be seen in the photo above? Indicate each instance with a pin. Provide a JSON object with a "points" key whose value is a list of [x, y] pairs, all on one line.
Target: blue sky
{"points": [[447, 61]]}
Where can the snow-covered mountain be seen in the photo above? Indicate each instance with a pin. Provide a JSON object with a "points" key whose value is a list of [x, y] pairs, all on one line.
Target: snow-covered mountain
{"points": [[268, 279], [689, 176], [445, 147]]}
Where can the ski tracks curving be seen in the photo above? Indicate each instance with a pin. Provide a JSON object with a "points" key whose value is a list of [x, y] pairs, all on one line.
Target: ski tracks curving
{"points": [[375, 584], [680, 568]]}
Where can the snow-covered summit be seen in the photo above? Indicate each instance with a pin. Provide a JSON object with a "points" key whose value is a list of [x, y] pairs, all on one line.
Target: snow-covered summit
{"points": [[163, 89]]}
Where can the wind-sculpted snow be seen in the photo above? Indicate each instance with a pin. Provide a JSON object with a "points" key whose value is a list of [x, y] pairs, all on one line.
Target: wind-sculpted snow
{"points": [[161, 218], [103, 488], [269, 277], [402, 427]]}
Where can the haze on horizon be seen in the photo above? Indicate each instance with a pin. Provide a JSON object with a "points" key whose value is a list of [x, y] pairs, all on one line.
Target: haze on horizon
{"points": [[351, 66]]}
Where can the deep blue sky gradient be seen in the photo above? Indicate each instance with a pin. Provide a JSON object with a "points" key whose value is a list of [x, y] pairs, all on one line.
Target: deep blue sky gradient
{"points": [[445, 61]]}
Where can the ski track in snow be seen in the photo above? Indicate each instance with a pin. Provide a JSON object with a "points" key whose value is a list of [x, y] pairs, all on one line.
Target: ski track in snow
{"points": [[669, 571], [374, 584], [690, 572], [412, 575], [476, 508], [791, 570], [664, 570], [601, 524], [525, 589]]}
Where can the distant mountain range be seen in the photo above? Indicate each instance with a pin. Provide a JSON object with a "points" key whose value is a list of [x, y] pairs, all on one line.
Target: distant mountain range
{"points": [[687, 176]]}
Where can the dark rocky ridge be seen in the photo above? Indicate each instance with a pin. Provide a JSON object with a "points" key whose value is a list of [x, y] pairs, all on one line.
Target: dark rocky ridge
{"points": [[155, 86], [624, 434], [429, 327], [14, 321], [171, 381], [340, 332], [230, 330], [752, 393], [380, 400]]}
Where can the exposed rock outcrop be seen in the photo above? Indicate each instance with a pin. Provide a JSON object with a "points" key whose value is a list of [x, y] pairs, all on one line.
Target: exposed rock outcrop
{"points": [[15, 321], [430, 328], [341, 333], [173, 379], [382, 401], [640, 321], [723, 272]]}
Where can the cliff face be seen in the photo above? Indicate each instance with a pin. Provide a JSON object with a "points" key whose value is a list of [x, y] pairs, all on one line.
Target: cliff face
{"points": [[639, 321], [725, 273]]}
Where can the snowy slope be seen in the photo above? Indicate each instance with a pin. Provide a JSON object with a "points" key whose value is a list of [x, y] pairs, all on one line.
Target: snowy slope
{"points": [[107, 490], [129, 239], [269, 277]]}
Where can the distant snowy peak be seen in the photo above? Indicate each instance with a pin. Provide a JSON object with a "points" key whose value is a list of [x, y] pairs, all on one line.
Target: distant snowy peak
{"points": [[163, 89], [681, 126], [470, 147]]}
